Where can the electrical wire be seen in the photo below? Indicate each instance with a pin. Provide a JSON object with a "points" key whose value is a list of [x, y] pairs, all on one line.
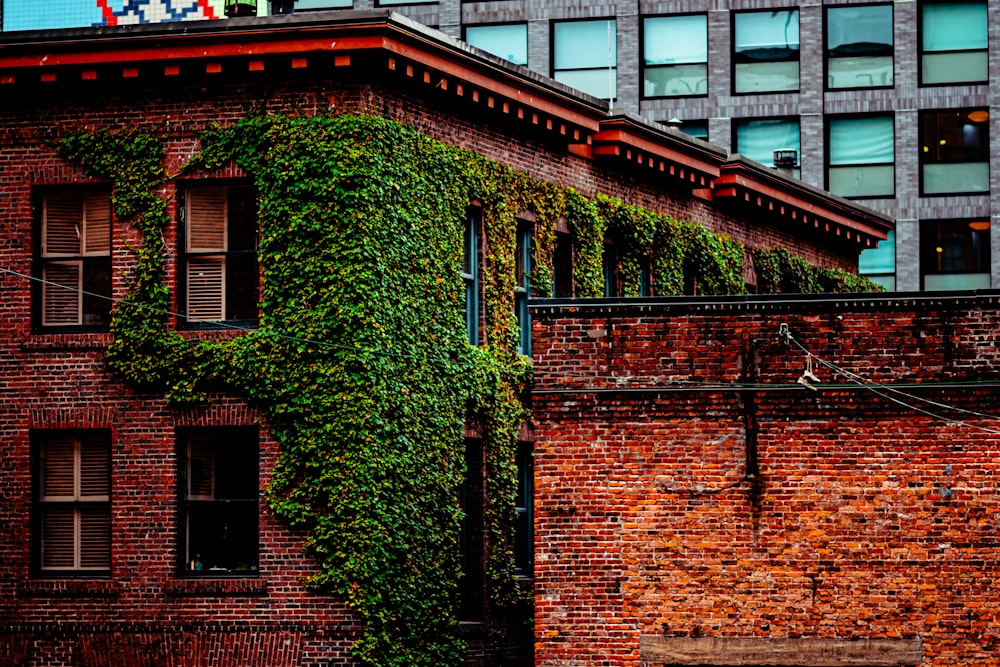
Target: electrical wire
{"points": [[889, 393]]}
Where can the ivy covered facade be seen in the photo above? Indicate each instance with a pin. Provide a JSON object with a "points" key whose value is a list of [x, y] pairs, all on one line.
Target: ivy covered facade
{"points": [[338, 472]]}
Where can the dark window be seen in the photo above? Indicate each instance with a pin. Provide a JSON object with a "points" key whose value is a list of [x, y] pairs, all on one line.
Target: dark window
{"points": [[859, 46], [692, 128], [73, 496], [562, 266], [470, 275], [585, 56], [221, 277], [955, 254], [522, 289], [74, 259], [955, 151], [675, 55], [861, 152], [219, 486], [524, 555], [509, 41], [766, 51], [953, 42], [612, 280]]}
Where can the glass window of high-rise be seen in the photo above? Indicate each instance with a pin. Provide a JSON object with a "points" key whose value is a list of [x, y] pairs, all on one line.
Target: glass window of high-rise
{"points": [[953, 42], [757, 139], [955, 254], [861, 156], [859, 46], [585, 56], [675, 55], [508, 41], [955, 151], [766, 57], [879, 264]]}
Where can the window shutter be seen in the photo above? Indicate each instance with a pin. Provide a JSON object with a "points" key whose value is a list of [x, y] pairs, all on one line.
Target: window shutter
{"points": [[97, 224], [59, 539], [95, 539], [61, 225], [95, 471], [58, 469], [206, 220], [62, 295], [206, 283]]}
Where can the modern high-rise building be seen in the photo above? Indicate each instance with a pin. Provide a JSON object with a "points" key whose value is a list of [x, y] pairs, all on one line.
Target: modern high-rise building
{"points": [[892, 103]]}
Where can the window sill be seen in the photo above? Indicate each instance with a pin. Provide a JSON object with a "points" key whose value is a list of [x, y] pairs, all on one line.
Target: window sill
{"points": [[217, 587], [68, 588]]}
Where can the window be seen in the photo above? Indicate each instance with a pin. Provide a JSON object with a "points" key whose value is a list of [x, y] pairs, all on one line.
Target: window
{"points": [[955, 254], [675, 55], [610, 264], [692, 128], [470, 275], [955, 151], [73, 494], [219, 487], [524, 548], [315, 4], [75, 259], [861, 156], [758, 139], [220, 254], [392, 3], [953, 42], [504, 41], [767, 51], [585, 56], [562, 266], [859, 46], [523, 289], [879, 264]]}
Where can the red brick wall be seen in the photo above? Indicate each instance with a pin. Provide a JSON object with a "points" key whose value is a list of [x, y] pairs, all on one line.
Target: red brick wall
{"points": [[61, 381], [866, 520]]}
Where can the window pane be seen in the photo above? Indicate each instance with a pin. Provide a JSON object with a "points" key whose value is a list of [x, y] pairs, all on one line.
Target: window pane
{"points": [[767, 76], [600, 83], [675, 80], [860, 72], [954, 67], [767, 35], [220, 483], [675, 39], [585, 44], [758, 139], [954, 26], [861, 30], [952, 178], [323, 4], [866, 140], [862, 181], [504, 41]]}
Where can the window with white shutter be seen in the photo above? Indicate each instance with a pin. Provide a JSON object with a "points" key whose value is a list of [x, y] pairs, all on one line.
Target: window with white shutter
{"points": [[73, 496], [220, 254], [75, 259], [219, 489]]}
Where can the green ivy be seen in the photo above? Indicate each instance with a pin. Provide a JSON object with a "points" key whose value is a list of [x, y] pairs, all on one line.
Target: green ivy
{"points": [[360, 362], [778, 270]]}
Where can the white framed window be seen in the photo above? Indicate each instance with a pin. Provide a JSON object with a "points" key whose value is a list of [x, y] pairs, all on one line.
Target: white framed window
{"points": [[221, 274], [73, 496], [75, 259]]}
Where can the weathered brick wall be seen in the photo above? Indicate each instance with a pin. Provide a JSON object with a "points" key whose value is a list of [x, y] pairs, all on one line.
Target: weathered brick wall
{"points": [[865, 520]]}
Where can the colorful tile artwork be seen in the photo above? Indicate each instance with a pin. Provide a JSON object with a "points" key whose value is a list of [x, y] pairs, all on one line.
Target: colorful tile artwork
{"points": [[33, 15]]}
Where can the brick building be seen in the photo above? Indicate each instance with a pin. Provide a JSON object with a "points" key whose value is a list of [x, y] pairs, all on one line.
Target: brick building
{"points": [[131, 535], [695, 504]]}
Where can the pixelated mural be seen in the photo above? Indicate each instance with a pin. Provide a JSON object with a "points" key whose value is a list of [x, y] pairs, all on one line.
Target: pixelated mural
{"points": [[34, 15]]}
